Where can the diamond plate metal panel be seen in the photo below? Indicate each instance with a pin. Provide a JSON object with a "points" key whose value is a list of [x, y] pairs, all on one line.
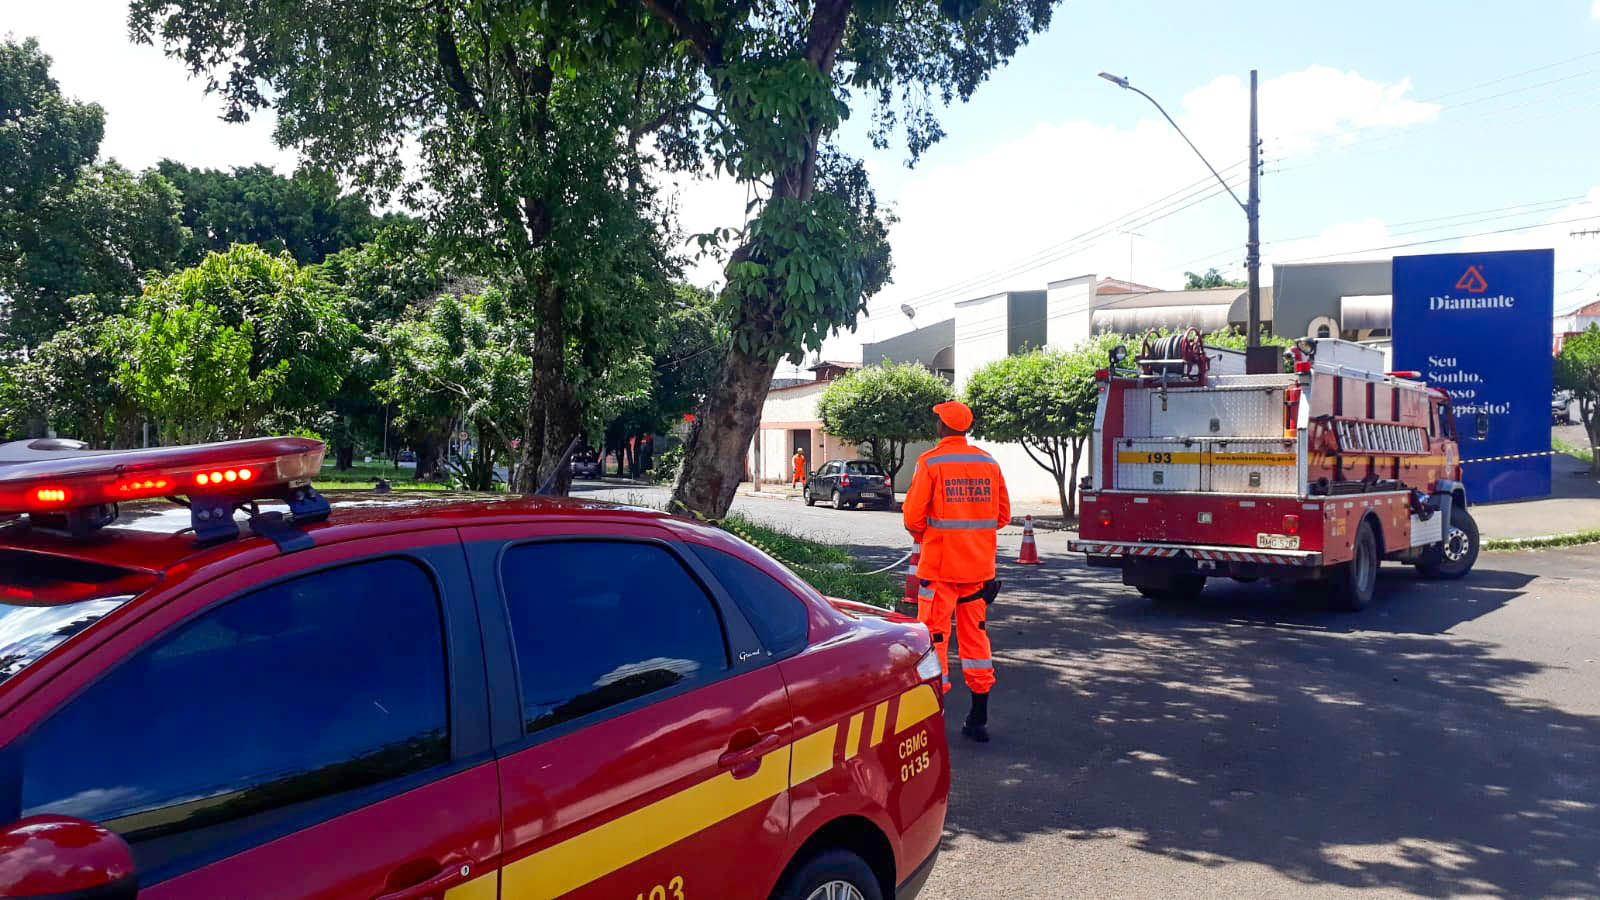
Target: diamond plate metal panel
{"points": [[1204, 413], [1254, 467], [1136, 413], [1155, 464]]}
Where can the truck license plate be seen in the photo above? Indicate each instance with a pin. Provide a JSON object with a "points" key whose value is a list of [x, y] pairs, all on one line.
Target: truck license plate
{"points": [[1278, 541]]}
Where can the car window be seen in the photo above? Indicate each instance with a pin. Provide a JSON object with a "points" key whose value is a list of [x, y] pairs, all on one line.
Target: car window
{"points": [[600, 623], [294, 692], [46, 599], [863, 467], [777, 615]]}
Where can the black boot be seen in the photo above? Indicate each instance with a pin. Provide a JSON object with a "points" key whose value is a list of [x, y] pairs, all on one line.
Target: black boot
{"points": [[977, 726]]}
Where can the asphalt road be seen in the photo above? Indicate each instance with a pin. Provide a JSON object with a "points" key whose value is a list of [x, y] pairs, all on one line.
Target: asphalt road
{"points": [[1444, 742]]}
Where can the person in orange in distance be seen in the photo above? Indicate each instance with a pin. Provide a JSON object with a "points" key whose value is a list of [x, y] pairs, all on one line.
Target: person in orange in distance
{"points": [[956, 504], [799, 467]]}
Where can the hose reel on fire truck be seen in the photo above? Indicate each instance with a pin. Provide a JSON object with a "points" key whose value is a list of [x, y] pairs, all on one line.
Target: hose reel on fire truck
{"points": [[1175, 356]]}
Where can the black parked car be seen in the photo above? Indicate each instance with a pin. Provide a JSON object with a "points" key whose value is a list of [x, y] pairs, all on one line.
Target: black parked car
{"points": [[585, 464], [846, 483]]}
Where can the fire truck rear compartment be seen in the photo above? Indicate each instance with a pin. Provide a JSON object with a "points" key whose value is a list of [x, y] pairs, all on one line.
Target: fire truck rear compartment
{"points": [[1228, 437]]}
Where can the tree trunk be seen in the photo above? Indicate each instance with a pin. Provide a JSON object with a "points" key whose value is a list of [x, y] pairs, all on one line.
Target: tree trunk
{"points": [[345, 457], [1072, 476], [714, 455], [551, 410]]}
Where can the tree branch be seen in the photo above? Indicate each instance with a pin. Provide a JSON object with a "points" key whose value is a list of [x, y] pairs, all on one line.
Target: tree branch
{"points": [[450, 61], [699, 37]]}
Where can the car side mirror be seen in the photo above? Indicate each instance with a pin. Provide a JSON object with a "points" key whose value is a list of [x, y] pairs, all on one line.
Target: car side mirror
{"points": [[1480, 425], [63, 857]]}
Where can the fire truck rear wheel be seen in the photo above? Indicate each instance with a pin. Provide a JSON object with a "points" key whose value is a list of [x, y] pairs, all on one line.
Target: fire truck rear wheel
{"points": [[1357, 580], [1458, 553], [1181, 589]]}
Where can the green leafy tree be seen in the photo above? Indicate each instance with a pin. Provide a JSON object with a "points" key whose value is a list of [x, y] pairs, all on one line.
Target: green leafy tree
{"points": [[884, 408], [67, 226], [456, 365], [295, 328], [1211, 279], [526, 118], [378, 284], [304, 213], [777, 80], [685, 356], [69, 382], [192, 371], [1044, 400], [1577, 369]]}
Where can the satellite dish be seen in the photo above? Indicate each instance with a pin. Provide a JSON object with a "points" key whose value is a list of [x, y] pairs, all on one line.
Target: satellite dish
{"points": [[1323, 327], [909, 310]]}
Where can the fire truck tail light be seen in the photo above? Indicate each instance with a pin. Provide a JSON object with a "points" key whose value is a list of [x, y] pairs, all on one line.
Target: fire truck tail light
{"points": [[1102, 374], [1291, 524], [1105, 517], [1302, 367]]}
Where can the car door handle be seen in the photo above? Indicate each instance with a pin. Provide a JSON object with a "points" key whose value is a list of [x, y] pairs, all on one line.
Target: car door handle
{"points": [[743, 760], [428, 887]]}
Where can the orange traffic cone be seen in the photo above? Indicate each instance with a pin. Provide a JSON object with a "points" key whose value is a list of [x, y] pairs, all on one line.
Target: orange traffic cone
{"points": [[1030, 551], [913, 583]]}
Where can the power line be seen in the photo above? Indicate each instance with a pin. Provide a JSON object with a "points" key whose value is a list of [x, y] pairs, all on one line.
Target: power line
{"points": [[1455, 237]]}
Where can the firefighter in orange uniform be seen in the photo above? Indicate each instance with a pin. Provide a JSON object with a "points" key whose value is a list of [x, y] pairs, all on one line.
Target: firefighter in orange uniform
{"points": [[956, 504], [799, 467]]}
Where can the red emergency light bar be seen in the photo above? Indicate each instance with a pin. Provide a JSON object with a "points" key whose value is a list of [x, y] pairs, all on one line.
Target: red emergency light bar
{"points": [[49, 477]]}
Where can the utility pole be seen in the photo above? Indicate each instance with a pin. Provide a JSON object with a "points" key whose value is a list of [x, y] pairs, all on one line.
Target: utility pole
{"points": [[1258, 360], [1252, 246]]}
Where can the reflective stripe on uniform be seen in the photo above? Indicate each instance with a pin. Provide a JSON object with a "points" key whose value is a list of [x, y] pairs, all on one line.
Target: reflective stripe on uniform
{"points": [[961, 524], [958, 458], [977, 664], [925, 593]]}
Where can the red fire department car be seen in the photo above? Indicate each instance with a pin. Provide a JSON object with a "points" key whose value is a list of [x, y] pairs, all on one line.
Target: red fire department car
{"points": [[270, 695], [1315, 475]]}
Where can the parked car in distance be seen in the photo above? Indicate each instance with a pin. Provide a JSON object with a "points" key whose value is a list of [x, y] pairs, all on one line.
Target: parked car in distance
{"points": [[585, 464], [1561, 408], [848, 482]]}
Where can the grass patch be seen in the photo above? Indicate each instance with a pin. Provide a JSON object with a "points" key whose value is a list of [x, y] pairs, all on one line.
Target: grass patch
{"points": [[1585, 454], [1546, 542], [828, 568], [364, 476]]}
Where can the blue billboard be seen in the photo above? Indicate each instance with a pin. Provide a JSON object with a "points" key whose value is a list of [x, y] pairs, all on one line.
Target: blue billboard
{"points": [[1478, 326]]}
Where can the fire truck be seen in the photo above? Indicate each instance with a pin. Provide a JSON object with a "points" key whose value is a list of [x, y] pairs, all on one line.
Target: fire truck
{"points": [[1199, 470]]}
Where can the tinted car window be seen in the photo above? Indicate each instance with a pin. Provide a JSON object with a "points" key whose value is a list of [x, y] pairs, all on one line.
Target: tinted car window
{"points": [[777, 615], [598, 623], [297, 691], [863, 467]]}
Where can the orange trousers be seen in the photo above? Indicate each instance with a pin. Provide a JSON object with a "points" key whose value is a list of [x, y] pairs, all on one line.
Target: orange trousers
{"points": [[936, 604]]}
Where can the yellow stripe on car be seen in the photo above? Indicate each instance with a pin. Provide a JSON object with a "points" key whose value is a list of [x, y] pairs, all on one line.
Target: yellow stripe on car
{"points": [[605, 848], [484, 887]]}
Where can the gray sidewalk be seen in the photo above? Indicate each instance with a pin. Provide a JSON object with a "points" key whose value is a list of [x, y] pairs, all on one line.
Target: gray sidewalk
{"points": [[1573, 505]]}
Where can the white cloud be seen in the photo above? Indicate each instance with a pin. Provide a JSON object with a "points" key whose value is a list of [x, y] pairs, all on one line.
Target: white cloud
{"points": [[154, 109], [962, 221]]}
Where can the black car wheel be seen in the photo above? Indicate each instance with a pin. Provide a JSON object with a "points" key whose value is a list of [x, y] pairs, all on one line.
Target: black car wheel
{"points": [[805, 492], [1457, 553], [1357, 581], [831, 875]]}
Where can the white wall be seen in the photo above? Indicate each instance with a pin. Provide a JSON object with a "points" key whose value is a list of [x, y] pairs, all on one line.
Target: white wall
{"points": [[983, 332], [1069, 311], [796, 404]]}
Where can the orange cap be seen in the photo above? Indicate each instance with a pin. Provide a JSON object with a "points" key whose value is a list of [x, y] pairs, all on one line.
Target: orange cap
{"points": [[955, 414]]}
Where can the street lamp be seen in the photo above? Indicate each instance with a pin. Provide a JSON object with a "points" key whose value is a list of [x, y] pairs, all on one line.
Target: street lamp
{"points": [[1255, 361]]}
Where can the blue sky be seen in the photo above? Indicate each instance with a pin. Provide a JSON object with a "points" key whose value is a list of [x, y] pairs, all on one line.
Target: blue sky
{"points": [[1384, 123]]}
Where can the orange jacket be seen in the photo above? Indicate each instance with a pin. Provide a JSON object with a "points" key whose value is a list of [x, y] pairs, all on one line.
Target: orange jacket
{"points": [[957, 502]]}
